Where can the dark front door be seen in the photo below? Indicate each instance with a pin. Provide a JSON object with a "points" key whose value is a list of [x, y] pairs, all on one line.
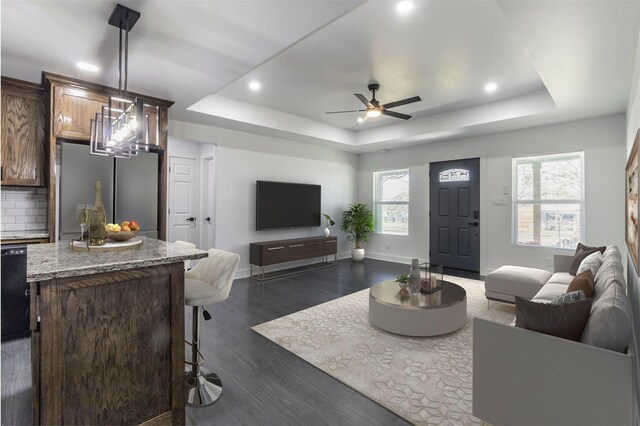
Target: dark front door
{"points": [[454, 212]]}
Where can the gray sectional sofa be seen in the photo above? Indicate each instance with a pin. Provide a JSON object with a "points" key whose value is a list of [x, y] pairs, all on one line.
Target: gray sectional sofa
{"points": [[525, 377]]}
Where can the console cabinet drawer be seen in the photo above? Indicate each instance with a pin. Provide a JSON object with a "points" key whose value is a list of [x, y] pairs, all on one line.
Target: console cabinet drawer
{"points": [[274, 252]]}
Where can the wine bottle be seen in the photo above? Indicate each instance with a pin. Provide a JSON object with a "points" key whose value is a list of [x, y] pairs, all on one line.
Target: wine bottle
{"points": [[97, 219]]}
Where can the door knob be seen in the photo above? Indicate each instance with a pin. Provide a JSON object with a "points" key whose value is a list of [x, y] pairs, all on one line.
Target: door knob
{"points": [[474, 223], [191, 219], [208, 219]]}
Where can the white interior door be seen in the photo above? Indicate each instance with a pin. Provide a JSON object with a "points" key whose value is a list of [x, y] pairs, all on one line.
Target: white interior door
{"points": [[182, 199], [209, 203]]}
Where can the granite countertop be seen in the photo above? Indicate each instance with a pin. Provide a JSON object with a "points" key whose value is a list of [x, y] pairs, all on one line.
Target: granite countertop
{"points": [[56, 260], [24, 235]]}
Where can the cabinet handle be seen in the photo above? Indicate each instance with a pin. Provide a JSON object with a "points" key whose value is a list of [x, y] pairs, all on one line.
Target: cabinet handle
{"points": [[275, 248], [296, 245]]}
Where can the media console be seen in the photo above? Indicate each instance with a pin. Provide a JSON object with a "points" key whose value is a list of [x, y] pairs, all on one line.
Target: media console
{"points": [[268, 253]]}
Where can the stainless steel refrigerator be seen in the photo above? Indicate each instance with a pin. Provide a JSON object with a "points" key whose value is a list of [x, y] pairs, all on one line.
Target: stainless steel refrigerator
{"points": [[129, 188]]}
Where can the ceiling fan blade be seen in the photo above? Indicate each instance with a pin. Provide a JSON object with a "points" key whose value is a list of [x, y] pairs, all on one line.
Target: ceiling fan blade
{"points": [[362, 119], [402, 102], [396, 114], [340, 112], [364, 100]]}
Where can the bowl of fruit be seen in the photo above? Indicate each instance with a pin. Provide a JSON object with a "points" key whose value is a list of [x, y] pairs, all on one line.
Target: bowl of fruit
{"points": [[122, 232]]}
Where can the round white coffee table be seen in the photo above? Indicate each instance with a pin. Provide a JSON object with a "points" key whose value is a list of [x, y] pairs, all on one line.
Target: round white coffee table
{"points": [[433, 314]]}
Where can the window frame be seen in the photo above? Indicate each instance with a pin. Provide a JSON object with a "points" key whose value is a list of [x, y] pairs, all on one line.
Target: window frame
{"points": [[377, 188], [515, 201]]}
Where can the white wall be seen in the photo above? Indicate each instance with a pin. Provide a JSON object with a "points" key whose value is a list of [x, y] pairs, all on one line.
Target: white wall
{"points": [[242, 158], [601, 139], [633, 283]]}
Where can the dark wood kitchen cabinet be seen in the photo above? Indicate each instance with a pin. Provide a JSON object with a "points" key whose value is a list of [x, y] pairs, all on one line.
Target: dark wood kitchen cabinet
{"points": [[24, 154], [73, 104]]}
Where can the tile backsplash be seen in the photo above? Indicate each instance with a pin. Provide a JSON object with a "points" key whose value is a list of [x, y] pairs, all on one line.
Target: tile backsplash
{"points": [[23, 208]]}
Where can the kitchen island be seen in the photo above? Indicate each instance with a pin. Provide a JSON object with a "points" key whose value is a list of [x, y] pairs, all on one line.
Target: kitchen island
{"points": [[107, 341]]}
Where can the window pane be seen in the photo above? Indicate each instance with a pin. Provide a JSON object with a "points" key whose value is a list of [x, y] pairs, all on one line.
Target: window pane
{"points": [[454, 175], [394, 186], [561, 179], [393, 219], [550, 225], [525, 181]]}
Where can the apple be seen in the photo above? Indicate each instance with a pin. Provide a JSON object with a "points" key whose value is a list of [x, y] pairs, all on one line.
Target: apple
{"points": [[126, 228], [125, 223], [134, 225]]}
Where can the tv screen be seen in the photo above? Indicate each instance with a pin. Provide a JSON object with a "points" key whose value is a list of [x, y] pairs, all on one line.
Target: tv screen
{"points": [[286, 205]]}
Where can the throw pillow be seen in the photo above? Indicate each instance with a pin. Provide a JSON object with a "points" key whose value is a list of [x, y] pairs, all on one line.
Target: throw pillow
{"points": [[570, 297], [583, 281], [566, 321], [592, 262], [582, 251]]}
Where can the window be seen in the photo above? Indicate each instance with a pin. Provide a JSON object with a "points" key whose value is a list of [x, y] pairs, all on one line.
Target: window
{"points": [[454, 175], [391, 202], [548, 200]]}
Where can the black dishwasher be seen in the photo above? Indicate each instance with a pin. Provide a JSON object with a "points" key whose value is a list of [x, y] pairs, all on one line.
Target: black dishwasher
{"points": [[14, 292]]}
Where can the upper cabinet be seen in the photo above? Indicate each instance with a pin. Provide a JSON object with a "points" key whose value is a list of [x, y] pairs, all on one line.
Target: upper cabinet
{"points": [[24, 156], [76, 102], [73, 109]]}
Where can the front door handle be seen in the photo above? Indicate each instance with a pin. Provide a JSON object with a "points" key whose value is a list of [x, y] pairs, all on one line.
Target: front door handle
{"points": [[474, 223], [191, 219]]}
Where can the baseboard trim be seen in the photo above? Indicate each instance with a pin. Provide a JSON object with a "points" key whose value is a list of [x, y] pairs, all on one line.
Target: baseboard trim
{"points": [[390, 258]]}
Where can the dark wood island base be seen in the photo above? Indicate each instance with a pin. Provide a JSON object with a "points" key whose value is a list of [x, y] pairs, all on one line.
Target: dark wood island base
{"points": [[109, 348], [107, 334]]}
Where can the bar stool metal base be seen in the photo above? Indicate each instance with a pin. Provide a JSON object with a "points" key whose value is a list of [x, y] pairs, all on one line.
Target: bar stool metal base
{"points": [[203, 389]]}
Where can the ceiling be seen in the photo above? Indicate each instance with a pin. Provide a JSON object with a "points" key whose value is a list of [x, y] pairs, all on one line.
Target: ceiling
{"points": [[552, 61]]}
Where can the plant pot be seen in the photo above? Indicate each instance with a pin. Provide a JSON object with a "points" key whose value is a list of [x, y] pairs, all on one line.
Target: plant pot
{"points": [[357, 254], [327, 231]]}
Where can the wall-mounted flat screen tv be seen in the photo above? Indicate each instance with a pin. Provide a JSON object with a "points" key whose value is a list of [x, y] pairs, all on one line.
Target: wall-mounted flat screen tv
{"points": [[282, 205]]}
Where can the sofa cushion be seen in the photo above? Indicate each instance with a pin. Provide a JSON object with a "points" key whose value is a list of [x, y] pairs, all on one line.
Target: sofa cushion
{"points": [[609, 273], [549, 292], [609, 326], [592, 262], [572, 296], [563, 278], [516, 281], [582, 251], [565, 320], [583, 281]]}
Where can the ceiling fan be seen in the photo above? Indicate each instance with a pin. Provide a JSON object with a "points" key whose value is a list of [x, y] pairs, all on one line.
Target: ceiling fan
{"points": [[374, 109]]}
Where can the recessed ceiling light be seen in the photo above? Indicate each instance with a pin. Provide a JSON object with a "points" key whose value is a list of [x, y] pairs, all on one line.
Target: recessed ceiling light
{"points": [[85, 66], [404, 6], [490, 87], [254, 85]]}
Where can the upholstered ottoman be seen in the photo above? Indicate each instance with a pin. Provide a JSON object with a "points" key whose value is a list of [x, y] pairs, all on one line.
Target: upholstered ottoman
{"points": [[507, 282]]}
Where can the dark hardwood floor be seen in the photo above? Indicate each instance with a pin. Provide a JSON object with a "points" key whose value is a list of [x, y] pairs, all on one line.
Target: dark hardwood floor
{"points": [[263, 383]]}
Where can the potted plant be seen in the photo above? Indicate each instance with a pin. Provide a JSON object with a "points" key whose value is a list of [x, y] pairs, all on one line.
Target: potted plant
{"points": [[357, 223], [403, 281], [328, 222]]}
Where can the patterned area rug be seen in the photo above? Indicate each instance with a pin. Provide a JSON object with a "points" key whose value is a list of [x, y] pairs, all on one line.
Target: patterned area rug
{"points": [[426, 380]]}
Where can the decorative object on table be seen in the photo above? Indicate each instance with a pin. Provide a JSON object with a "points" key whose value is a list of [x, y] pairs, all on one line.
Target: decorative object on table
{"points": [[632, 231], [414, 277], [121, 128], [403, 281], [124, 232], [83, 217], [430, 278], [97, 219], [357, 222], [107, 246], [328, 222]]}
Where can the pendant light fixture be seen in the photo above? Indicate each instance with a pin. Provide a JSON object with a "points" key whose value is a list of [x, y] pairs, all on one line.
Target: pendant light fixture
{"points": [[121, 129]]}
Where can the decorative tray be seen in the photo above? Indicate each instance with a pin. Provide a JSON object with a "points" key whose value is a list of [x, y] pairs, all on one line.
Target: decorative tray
{"points": [[108, 246]]}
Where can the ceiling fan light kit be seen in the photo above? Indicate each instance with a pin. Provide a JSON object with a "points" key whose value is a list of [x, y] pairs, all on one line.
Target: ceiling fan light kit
{"points": [[121, 128], [374, 109]]}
